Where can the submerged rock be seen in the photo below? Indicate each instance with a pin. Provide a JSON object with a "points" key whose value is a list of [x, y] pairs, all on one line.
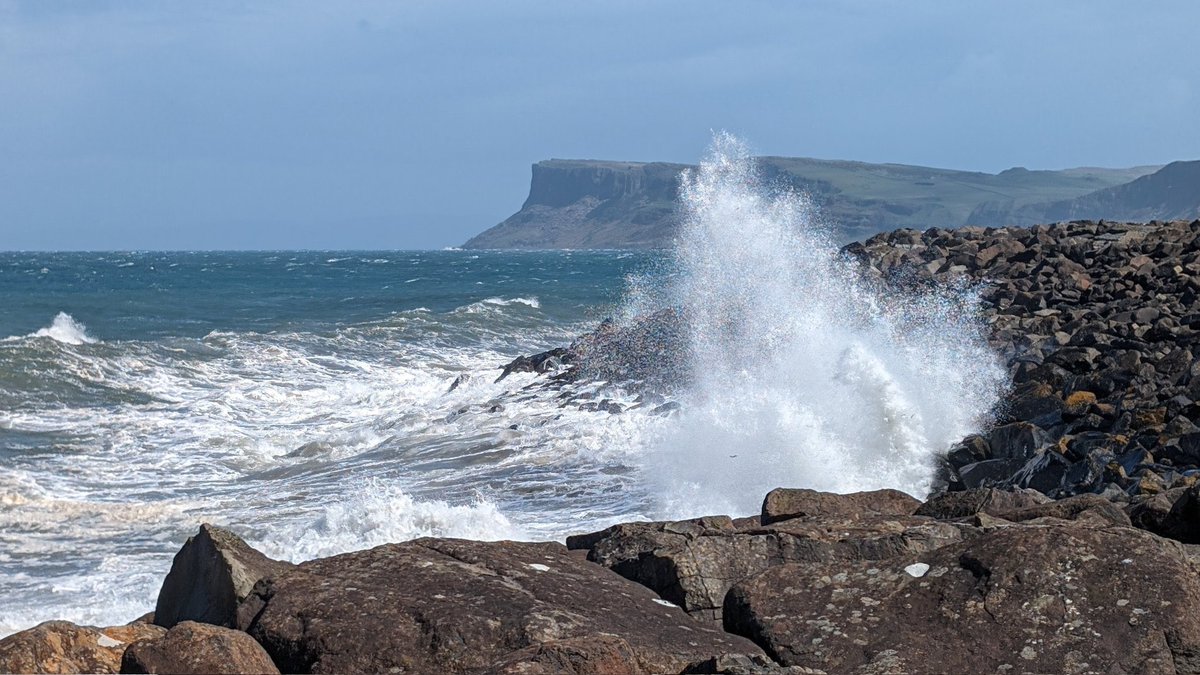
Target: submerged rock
{"points": [[211, 574], [455, 606]]}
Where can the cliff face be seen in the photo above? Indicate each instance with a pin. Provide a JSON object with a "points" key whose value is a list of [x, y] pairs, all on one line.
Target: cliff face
{"points": [[598, 204], [584, 204], [1171, 193]]}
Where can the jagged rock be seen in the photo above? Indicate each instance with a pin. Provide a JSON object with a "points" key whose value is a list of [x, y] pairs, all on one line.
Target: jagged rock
{"points": [[1174, 513], [784, 503], [693, 563], [1047, 598], [210, 575], [197, 648], [992, 501], [64, 647], [454, 606]]}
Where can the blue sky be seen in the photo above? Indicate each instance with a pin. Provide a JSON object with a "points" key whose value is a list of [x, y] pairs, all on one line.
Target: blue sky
{"points": [[297, 124]]}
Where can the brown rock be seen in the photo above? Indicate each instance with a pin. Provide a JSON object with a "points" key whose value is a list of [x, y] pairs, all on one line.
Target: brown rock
{"points": [[454, 606], [63, 647], [210, 575], [1057, 598], [197, 648], [784, 503], [992, 501], [597, 655], [693, 563], [1088, 508]]}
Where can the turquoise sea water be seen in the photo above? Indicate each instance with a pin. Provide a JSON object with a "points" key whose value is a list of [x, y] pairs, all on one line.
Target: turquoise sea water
{"points": [[299, 397]]}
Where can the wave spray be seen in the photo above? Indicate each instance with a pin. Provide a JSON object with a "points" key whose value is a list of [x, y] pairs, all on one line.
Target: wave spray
{"points": [[803, 373]]}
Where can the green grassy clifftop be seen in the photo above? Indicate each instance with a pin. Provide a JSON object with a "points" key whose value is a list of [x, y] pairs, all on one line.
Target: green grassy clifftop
{"points": [[603, 204]]}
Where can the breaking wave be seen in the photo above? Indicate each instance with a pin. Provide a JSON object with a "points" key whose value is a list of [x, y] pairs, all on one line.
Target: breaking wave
{"points": [[804, 374]]}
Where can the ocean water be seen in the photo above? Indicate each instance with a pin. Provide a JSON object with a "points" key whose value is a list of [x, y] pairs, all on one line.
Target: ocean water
{"points": [[303, 398]]}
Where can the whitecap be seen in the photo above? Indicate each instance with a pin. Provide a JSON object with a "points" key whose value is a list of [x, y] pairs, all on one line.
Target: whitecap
{"points": [[64, 329]]}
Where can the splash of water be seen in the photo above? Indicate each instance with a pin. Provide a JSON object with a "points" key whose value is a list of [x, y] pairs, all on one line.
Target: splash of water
{"points": [[804, 375], [64, 328]]}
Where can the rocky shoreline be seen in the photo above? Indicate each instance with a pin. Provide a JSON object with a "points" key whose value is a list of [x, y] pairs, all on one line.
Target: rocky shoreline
{"points": [[1066, 539]]}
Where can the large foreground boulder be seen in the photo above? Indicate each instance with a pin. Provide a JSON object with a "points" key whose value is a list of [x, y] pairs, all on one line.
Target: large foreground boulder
{"points": [[455, 606], [693, 563], [210, 575], [192, 648], [1052, 597], [64, 647]]}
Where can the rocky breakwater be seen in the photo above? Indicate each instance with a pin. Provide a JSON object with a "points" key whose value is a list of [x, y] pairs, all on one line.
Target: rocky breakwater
{"points": [[977, 581], [1099, 324]]}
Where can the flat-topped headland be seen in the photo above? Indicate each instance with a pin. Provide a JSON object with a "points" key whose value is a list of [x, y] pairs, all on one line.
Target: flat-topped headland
{"points": [[1063, 538]]}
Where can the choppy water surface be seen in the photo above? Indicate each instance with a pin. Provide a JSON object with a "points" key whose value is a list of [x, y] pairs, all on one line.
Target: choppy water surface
{"points": [[303, 398]]}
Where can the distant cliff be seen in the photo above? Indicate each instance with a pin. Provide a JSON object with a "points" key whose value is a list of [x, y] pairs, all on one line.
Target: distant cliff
{"points": [[602, 204], [1171, 193]]}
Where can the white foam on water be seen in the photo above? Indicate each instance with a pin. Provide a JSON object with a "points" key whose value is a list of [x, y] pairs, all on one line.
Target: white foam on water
{"points": [[378, 513], [64, 328], [805, 376]]}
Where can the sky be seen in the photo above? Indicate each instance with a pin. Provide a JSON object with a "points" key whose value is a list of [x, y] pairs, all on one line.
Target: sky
{"points": [[413, 124]]}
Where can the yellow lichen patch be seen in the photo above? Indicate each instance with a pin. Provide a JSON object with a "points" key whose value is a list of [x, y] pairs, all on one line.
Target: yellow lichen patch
{"points": [[1080, 400]]}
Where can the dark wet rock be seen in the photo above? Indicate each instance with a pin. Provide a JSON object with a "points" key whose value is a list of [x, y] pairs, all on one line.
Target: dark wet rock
{"points": [[989, 472], [1018, 440], [1097, 323], [1173, 513], [210, 575], [537, 363], [459, 381], [1057, 598], [453, 606], [784, 503], [693, 563], [992, 501], [64, 647], [197, 648]]}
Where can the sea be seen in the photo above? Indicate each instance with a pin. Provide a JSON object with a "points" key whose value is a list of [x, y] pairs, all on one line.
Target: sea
{"points": [[318, 402]]}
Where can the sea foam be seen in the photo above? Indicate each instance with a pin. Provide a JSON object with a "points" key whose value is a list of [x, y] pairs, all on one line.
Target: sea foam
{"points": [[64, 328], [804, 375]]}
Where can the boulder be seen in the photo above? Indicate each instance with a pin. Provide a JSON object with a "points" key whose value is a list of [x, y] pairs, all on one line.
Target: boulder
{"points": [[1043, 598], [992, 501], [1174, 513], [693, 563], [197, 648], [455, 606], [1084, 508], [784, 503], [64, 647], [210, 575]]}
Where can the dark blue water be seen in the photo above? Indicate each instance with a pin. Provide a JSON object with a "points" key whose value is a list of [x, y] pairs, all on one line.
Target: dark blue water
{"points": [[147, 295]]}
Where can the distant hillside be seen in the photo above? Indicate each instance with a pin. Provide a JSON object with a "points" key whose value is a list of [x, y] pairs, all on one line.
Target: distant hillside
{"points": [[1171, 193], [602, 204]]}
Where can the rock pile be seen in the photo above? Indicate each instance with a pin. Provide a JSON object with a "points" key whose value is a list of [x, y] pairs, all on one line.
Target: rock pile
{"points": [[1099, 324]]}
